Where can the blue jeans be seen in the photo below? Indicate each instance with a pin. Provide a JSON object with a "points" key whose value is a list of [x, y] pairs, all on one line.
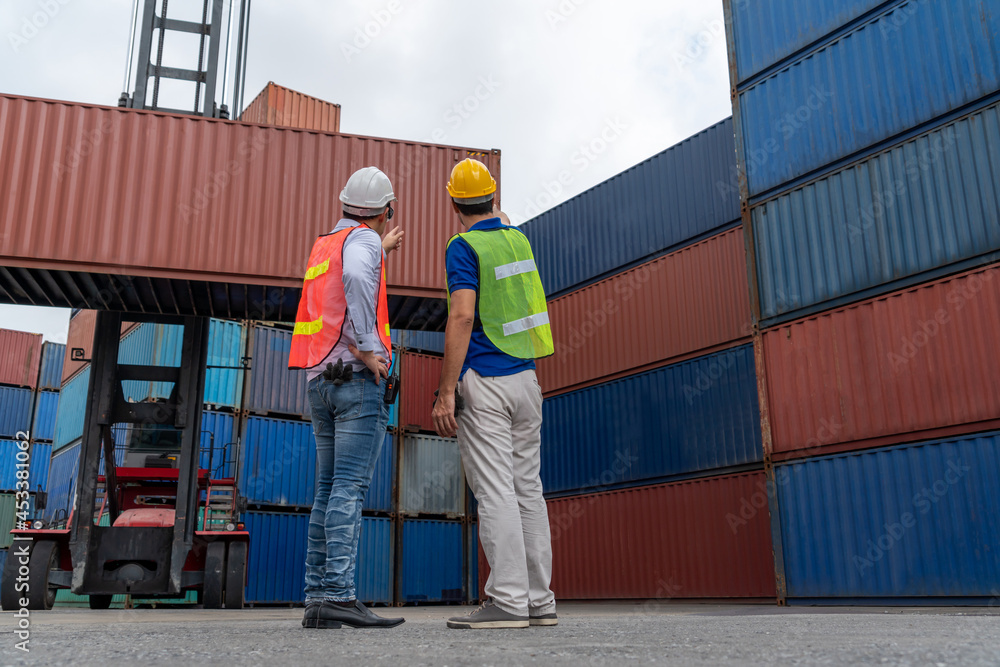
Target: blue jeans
{"points": [[349, 423]]}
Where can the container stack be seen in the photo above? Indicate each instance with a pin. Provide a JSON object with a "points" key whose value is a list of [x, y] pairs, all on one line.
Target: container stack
{"points": [[20, 361], [651, 437], [436, 525], [869, 147], [278, 478]]}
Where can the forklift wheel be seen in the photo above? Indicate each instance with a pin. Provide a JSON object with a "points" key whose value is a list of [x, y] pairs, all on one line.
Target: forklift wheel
{"points": [[100, 601], [236, 575], [44, 559], [9, 596], [215, 575]]}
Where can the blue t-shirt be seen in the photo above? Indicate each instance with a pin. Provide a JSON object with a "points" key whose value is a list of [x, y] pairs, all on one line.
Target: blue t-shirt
{"points": [[463, 273]]}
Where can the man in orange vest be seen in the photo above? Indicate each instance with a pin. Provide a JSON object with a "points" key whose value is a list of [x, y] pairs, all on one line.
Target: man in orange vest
{"points": [[342, 341]]}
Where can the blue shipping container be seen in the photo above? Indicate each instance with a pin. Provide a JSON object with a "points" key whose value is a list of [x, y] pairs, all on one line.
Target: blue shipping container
{"points": [[690, 417], [768, 31], [62, 483], [685, 193], [278, 462], [218, 441], [72, 406], [53, 355], [910, 521], [46, 409], [431, 569], [473, 559], [376, 561], [276, 568], [925, 204], [137, 348], [913, 63], [11, 455], [273, 389], [226, 345], [279, 465], [379, 496], [419, 341], [15, 411]]}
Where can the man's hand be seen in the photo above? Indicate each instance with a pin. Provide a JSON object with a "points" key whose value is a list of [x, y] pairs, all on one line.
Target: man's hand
{"points": [[376, 363], [444, 414], [392, 239]]}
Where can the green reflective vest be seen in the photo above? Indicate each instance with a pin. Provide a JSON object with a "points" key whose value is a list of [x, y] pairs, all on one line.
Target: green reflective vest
{"points": [[511, 299]]}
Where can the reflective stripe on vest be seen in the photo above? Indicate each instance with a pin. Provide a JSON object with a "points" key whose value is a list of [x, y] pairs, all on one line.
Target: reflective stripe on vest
{"points": [[322, 312], [511, 299]]}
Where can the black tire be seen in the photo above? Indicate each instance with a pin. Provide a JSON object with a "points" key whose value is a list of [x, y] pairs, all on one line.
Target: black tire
{"points": [[215, 575], [101, 601], [236, 574], [44, 559], [9, 596]]}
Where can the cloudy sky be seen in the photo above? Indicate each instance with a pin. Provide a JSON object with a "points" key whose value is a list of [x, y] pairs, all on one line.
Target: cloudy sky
{"points": [[589, 87]]}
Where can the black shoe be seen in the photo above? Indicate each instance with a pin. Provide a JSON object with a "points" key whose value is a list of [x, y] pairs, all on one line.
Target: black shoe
{"points": [[312, 613], [331, 616]]}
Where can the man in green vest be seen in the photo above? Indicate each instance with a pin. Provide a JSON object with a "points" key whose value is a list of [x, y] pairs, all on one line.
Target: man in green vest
{"points": [[498, 325]]}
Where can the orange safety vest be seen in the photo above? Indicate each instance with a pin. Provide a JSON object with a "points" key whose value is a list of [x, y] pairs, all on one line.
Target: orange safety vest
{"points": [[322, 313]]}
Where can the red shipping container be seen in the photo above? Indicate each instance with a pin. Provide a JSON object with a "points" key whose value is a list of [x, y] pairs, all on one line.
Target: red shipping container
{"points": [[917, 364], [81, 335], [216, 202], [419, 376], [284, 107], [705, 538], [20, 358], [688, 303]]}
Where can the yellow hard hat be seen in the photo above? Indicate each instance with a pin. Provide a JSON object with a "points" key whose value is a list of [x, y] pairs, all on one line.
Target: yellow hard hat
{"points": [[471, 182]]}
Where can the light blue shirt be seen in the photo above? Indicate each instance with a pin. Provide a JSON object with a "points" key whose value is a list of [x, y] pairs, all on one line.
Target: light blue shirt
{"points": [[363, 257]]}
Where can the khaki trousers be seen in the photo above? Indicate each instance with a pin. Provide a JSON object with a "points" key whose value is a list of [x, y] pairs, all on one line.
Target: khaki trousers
{"points": [[499, 435]]}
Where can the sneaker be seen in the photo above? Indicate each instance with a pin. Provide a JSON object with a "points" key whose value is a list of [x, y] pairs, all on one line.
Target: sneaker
{"points": [[544, 619], [488, 616]]}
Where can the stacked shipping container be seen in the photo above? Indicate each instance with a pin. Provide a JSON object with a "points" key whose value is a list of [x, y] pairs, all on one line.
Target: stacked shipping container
{"points": [[27, 415], [652, 384], [872, 213]]}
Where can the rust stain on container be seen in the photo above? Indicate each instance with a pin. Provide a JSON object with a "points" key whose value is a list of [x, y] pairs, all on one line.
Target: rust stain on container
{"points": [[20, 358], [705, 538], [684, 303], [284, 107], [152, 195], [919, 363]]}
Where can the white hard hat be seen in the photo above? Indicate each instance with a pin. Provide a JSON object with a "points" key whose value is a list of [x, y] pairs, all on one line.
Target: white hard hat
{"points": [[367, 192]]}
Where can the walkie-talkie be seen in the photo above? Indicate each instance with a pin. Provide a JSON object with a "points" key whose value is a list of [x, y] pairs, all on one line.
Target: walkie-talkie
{"points": [[392, 385]]}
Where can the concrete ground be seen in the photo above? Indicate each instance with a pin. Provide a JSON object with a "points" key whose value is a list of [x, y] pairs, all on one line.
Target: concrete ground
{"points": [[588, 634]]}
